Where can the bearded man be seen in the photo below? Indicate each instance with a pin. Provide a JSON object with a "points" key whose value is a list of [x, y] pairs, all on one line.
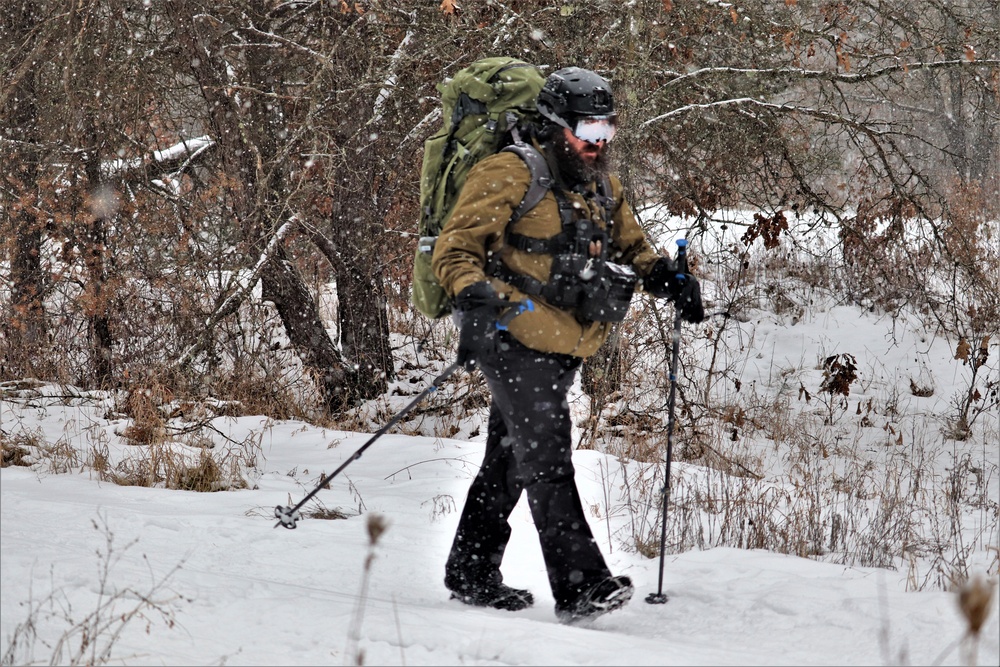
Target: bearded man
{"points": [[578, 256]]}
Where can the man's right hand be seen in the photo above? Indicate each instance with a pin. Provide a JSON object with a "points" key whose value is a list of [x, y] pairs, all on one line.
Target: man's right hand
{"points": [[478, 310]]}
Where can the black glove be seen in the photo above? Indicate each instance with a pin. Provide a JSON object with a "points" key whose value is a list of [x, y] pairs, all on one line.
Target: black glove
{"points": [[478, 310], [665, 281]]}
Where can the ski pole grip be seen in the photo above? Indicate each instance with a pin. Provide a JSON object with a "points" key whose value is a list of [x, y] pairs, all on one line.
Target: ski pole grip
{"points": [[682, 262]]}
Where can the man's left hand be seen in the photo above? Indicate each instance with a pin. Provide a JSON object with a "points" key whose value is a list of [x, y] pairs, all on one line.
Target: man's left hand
{"points": [[666, 281], [689, 300]]}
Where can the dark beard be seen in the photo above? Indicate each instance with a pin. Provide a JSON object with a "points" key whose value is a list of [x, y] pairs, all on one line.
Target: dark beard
{"points": [[574, 169]]}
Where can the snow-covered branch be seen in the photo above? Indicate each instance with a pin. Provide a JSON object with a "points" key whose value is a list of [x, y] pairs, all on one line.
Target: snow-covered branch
{"points": [[312, 53], [875, 135], [827, 75], [390, 79], [418, 130], [176, 159], [827, 116]]}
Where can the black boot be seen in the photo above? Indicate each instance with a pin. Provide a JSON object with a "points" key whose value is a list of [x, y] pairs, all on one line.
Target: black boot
{"points": [[488, 593], [603, 597]]}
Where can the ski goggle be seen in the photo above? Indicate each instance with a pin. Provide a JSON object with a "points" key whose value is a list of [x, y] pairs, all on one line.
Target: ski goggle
{"points": [[593, 129]]}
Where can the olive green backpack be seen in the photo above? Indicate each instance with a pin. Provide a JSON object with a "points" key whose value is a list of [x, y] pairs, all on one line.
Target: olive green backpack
{"points": [[483, 106]]}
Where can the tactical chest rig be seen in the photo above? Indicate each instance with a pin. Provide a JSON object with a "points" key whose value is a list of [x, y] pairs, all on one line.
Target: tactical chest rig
{"points": [[597, 290]]}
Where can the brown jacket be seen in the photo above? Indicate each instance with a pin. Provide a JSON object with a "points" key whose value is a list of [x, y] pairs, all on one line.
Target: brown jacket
{"points": [[492, 191]]}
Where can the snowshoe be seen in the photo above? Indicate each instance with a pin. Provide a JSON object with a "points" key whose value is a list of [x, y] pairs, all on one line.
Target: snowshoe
{"points": [[604, 597]]}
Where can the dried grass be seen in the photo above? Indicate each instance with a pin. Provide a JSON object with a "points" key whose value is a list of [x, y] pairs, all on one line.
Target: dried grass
{"points": [[90, 637], [15, 449]]}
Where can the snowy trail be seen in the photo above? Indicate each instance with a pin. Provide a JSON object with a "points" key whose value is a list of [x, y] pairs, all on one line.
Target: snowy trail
{"points": [[259, 595]]}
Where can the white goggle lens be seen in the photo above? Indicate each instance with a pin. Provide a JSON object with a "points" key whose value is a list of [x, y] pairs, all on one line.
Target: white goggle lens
{"points": [[593, 130]]}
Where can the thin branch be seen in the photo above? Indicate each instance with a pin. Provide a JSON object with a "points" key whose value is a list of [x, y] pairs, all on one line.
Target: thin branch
{"points": [[319, 57]]}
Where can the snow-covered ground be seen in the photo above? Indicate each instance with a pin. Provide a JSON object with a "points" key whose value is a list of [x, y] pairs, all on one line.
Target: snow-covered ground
{"points": [[237, 590]]}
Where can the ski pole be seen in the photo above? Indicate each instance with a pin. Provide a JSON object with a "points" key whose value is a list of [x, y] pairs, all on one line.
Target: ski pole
{"points": [[659, 597], [288, 516]]}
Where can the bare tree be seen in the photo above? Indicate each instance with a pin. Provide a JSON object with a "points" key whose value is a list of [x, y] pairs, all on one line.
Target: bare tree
{"points": [[243, 86], [163, 160]]}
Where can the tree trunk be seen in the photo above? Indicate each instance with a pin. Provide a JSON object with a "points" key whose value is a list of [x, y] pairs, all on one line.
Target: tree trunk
{"points": [[25, 329], [365, 330], [94, 249], [299, 314], [364, 325]]}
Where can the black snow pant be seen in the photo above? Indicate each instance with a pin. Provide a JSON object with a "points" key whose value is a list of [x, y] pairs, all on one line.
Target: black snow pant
{"points": [[528, 448]]}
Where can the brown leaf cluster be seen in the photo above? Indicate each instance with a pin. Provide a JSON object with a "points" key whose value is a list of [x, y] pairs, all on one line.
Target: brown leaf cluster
{"points": [[839, 372], [767, 228]]}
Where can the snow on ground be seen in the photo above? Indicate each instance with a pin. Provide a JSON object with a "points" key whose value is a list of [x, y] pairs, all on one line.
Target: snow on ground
{"points": [[249, 593]]}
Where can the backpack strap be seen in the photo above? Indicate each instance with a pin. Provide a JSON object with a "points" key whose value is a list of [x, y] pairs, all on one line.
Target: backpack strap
{"points": [[541, 183], [538, 186], [567, 238], [541, 178]]}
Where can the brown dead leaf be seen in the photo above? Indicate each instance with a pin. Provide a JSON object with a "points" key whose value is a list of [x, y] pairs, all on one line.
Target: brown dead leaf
{"points": [[803, 392], [449, 7], [839, 372], [963, 349], [922, 392], [970, 53], [668, 5], [842, 58]]}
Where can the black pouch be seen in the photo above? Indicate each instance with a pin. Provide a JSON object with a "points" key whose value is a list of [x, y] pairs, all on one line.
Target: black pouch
{"points": [[564, 288], [609, 298]]}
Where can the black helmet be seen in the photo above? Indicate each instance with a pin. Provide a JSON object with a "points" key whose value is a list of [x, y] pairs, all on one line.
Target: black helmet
{"points": [[574, 92]]}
